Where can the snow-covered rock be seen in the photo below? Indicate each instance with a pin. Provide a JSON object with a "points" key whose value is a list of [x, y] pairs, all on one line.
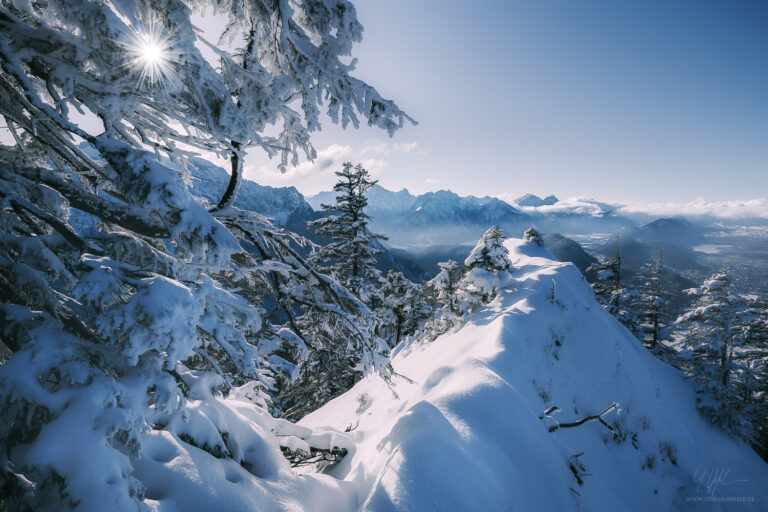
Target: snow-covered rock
{"points": [[469, 431]]}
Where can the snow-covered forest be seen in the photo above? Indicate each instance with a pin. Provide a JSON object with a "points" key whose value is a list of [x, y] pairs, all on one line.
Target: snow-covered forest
{"points": [[173, 336]]}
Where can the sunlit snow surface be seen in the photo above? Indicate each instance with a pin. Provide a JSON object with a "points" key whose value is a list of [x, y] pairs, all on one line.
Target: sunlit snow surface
{"points": [[466, 433]]}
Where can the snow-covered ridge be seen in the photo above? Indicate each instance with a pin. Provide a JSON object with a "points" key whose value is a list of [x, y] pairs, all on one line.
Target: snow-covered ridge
{"points": [[466, 434], [468, 430]]}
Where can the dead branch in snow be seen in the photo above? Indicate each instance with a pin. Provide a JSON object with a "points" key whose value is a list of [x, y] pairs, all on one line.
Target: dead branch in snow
{"points": [[599, 417]]}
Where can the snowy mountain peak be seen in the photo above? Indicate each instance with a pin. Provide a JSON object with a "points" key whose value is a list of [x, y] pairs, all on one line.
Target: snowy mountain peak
{"points": [[210, 181], [450, 217], [533, 200], [379, 198], [400, 200], [445, 195]]}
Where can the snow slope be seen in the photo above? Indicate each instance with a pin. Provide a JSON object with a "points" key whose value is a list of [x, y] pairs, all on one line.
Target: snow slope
{"points": [[466, 433]]}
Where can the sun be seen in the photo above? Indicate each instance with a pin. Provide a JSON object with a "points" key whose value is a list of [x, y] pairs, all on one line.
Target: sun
{"points": [[150, 54]]}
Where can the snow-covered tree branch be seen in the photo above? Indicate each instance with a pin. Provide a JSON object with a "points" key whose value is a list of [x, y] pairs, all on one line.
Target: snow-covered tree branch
{"points": [[126, 299]]}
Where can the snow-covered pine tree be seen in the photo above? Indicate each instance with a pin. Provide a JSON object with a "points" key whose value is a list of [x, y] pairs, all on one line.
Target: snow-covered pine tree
{"points": [[653, 302], [532, 235], [333, 361], [444, 286], [350, 256], [442, 291], [612, 293], [486, 268], [707, 354], [489, 253], [404, 307], [750, 361], [126, 326]]}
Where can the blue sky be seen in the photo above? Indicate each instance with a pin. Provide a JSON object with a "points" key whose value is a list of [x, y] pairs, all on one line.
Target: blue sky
{"points": [[623, 101]]}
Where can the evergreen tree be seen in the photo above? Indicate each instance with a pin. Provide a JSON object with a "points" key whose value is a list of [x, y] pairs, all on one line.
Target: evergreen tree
{"points": [[444, 285], [404, 307], [611, 292], [443, 291], [654, 305], [489, 253], [486, 267], [533, 236], [125, 300], [349, 256], [708, 355], [332, 365], [334, 361], [750, 361]]}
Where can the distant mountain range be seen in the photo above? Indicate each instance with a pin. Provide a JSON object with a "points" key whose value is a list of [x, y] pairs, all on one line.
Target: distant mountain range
{"points": [[427, 228], [416, 222], [666, 230], [287, 208], [280, 203], [432, 208]]}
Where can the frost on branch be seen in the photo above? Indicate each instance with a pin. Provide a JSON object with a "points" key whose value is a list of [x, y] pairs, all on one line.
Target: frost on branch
{"points": [[127, 306], [404, 308]]}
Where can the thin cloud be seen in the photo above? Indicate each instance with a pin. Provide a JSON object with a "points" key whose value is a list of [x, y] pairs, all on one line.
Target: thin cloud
{"points": [[575, 205], [379, 147], [376, 147], [750, 209], [406, 147], [327, 159], [371, 156], [373, 165]]}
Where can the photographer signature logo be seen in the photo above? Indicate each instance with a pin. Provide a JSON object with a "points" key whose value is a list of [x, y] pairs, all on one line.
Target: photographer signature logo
{"points": [[711, 479]]}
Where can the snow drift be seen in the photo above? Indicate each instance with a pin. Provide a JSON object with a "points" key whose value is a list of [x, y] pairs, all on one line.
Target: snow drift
{"points": [[467, 430], [468, 434]]}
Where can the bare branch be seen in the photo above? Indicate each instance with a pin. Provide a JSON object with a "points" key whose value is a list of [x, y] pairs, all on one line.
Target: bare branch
{"points": [[586, 419]]}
